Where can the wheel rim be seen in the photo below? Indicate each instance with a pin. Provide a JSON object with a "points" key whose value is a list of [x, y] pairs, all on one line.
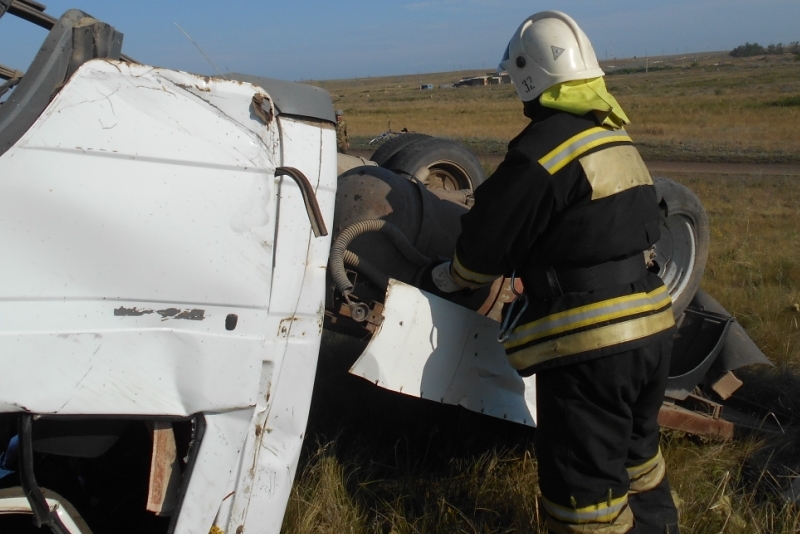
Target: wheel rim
{"points": [[447, 175], [676, 253]]}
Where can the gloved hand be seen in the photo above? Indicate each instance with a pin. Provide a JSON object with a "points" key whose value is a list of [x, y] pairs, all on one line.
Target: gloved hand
{"points": [[436, 279]]}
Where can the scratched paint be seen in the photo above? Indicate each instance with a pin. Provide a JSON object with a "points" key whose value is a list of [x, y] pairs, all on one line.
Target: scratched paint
{"points": [[195, 314], [130, 312]]}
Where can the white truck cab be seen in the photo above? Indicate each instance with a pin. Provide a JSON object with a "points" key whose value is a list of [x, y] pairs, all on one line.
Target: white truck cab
{"points": [[164, 256]]}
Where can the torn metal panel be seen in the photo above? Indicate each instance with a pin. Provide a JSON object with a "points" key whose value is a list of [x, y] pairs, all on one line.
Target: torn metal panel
{"points": [[430, 348], [292, 98], [263, 107], [739, 350], [698, 341]]}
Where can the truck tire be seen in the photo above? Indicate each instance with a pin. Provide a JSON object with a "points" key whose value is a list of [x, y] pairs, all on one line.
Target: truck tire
{"points": [[682, 250], [395, 145], [439, 164]]}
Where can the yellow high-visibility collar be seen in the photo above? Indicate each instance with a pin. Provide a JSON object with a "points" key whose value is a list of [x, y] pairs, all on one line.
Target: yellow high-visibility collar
{"points": [[582, 96]]}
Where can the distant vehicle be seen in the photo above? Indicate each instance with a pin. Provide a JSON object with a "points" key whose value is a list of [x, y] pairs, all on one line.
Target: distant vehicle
{"points": [[169, 288], [426, 86]]}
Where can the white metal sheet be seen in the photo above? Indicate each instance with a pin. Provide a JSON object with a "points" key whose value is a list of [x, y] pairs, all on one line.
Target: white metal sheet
{"points": [[433, 349], [139, 212], [129, 186], [271, 452]]}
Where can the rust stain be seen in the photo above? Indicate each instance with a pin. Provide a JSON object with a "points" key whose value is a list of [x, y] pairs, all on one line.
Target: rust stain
{"points": [[262, 107], [285, 325]]}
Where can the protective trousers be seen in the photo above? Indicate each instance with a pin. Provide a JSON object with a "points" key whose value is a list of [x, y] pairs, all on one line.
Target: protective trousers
{"points": [[600, 466]]}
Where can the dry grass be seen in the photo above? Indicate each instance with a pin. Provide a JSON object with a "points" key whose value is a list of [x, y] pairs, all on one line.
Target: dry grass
{"points": [[754, 265], [399, 465], [709, 108], [495, 491]]}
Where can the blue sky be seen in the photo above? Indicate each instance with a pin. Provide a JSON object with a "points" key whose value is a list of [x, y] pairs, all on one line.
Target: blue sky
{"points": [[311, 39]]}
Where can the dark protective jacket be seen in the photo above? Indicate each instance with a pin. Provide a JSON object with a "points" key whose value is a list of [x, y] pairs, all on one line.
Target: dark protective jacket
{"points": [[569, 195]]}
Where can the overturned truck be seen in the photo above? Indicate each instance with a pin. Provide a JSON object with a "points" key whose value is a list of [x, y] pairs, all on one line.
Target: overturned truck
{"points": [[181, 253]]}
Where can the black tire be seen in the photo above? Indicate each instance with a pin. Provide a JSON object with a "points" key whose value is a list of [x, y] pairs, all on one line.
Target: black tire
{"points": [[450, 164], [395, 145], [682, 250]]}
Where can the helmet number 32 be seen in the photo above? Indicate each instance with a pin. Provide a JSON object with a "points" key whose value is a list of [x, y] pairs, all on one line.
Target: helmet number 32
{"points": [[527, 83]]}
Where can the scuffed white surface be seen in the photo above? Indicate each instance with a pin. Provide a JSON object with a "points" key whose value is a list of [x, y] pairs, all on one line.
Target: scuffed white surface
{"points": [[139, 191], [433, 349], [132, 187], [271, 451]]}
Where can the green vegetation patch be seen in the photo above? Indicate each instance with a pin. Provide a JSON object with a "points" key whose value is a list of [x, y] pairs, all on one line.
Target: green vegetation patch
{"points": [[789, 101], [755, 49]]}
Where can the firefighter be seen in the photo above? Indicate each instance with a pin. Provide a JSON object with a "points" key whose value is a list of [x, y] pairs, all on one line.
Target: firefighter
{"points": [[572, 211], [342, 139]]}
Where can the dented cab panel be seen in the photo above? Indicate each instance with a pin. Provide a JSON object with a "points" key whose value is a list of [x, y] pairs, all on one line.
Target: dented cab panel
{"points": [[155, 266]]}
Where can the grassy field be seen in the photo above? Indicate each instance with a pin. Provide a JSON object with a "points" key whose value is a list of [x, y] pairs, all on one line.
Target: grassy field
{"points": [[703, 107], [376, 462]]}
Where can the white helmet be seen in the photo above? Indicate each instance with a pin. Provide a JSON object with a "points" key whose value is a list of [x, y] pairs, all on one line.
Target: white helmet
{"points": [[548, 48]]}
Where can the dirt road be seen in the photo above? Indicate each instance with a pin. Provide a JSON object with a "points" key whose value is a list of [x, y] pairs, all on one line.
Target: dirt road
{"points": [[763, 169], [655, 167]]}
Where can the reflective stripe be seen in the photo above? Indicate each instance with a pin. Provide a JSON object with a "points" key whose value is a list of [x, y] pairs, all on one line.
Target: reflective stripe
{"points": [[597, 338], [579, 144], [604, 512], [469, 278], [615, 170], [648, 475], [638, 470], [599, 312], [621, 525]]}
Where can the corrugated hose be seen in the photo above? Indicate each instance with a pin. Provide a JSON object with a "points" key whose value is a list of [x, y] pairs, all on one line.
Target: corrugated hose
{"points": [[340, 254]]}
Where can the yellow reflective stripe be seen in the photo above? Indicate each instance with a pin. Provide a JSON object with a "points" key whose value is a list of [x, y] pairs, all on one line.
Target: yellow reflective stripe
{"points": [[615, 170], [621, 525], [597, 338], [648, 475], [579, 144], [604, 512], [470, 277], [638, 470], [599, 312], [574, 139]]}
